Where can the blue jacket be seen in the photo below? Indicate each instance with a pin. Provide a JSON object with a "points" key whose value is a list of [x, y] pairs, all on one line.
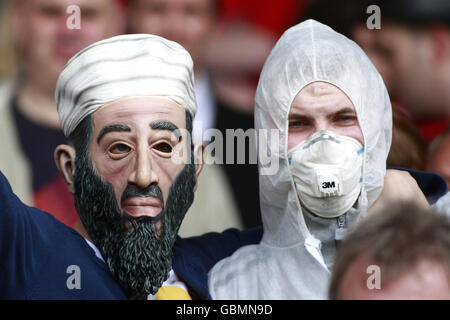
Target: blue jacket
{"points": [[41, 258], [195, 256]]}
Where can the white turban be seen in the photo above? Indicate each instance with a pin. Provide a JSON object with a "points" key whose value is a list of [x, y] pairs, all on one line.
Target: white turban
{"points": [[125, 65]]}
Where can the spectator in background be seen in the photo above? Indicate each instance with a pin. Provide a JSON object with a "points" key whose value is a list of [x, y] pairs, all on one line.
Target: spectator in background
{"points": [[415, 40], [408, 149], [247, 32], [385, 48], [401, 253], [29, 125]]}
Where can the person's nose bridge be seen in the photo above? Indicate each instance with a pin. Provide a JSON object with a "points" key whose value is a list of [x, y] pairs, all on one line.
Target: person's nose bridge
{"points": [[321, 124]]}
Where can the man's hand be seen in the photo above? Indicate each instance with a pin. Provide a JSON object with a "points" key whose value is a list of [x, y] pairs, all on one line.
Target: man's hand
{"points": [[399, 186]]}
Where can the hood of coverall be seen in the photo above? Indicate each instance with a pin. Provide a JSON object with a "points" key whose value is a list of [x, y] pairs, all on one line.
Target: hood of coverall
{"points": [[289, 254], [307, 53]]}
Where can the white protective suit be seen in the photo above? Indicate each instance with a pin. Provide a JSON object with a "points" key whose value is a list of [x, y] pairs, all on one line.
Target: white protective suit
{"points": [[296, 253], [443, 204]]}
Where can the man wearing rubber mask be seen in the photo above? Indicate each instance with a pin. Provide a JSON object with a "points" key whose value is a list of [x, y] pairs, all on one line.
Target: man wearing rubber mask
{"points": [[126, 105], [333, 112]]}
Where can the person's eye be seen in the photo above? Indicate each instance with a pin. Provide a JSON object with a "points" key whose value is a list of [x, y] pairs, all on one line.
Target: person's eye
{"points": [[119, 149], [89, 13], [346, 119], [163, 147], [298, 124], [50, 11], [192, 11], [156, 8]]}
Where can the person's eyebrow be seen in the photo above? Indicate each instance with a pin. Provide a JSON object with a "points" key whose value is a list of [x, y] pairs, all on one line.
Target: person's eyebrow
{"points": [[296, 115], [112, 128], [345, 110]]}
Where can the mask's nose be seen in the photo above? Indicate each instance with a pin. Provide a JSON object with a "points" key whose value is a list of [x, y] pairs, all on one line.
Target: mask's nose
{"points": [[143, 175]]}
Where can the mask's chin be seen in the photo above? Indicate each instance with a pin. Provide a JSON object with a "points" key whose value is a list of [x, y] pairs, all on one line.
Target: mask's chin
{"points": [[138, 252], [157, 221]]}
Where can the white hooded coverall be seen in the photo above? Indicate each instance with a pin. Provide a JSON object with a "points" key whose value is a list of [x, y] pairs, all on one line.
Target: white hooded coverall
{"points": [[292, 260]]}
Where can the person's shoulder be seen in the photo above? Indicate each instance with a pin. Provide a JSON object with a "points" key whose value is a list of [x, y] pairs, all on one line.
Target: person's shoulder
{"points": [[4, 181], [432, 185], [194, 257], [443, 204], [226, 276], [8, 200], [26, 220], [215, 245]]}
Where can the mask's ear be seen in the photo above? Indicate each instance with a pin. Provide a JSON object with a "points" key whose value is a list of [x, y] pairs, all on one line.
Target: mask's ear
{"points": [[65, 162], [199, 160]]}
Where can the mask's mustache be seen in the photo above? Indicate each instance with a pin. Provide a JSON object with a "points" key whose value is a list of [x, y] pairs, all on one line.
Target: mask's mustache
{"points": [[133, 191]]}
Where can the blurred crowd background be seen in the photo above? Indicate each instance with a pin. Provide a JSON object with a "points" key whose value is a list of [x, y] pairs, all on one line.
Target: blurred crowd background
{"points": [[229, 41]]}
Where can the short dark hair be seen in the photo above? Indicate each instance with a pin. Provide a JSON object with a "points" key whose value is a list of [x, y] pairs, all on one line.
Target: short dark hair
{"points": [[416, 14], [396, 239]]}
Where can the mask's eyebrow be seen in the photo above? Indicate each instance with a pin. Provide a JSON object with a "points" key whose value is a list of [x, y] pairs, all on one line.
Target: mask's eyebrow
{"points": [[166, 125], [112, 128], [163, 125]]}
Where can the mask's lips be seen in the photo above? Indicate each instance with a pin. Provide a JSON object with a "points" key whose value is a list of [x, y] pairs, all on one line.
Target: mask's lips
{"points": [[142, 206]]}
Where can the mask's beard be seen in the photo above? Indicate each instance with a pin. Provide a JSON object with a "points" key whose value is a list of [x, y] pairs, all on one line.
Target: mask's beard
{"points": [[138, 255]]}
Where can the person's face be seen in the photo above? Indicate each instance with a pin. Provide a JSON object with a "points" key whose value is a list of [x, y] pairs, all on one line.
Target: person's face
{"points": [[366, 38], [134, 142], [427, 280], [407, 54], [187, 22], [322, 106], [46, 42]]}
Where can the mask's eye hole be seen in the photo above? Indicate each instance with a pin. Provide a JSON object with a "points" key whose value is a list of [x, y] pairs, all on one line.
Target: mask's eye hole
{"points": [[163, 147], [119, 148]]}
